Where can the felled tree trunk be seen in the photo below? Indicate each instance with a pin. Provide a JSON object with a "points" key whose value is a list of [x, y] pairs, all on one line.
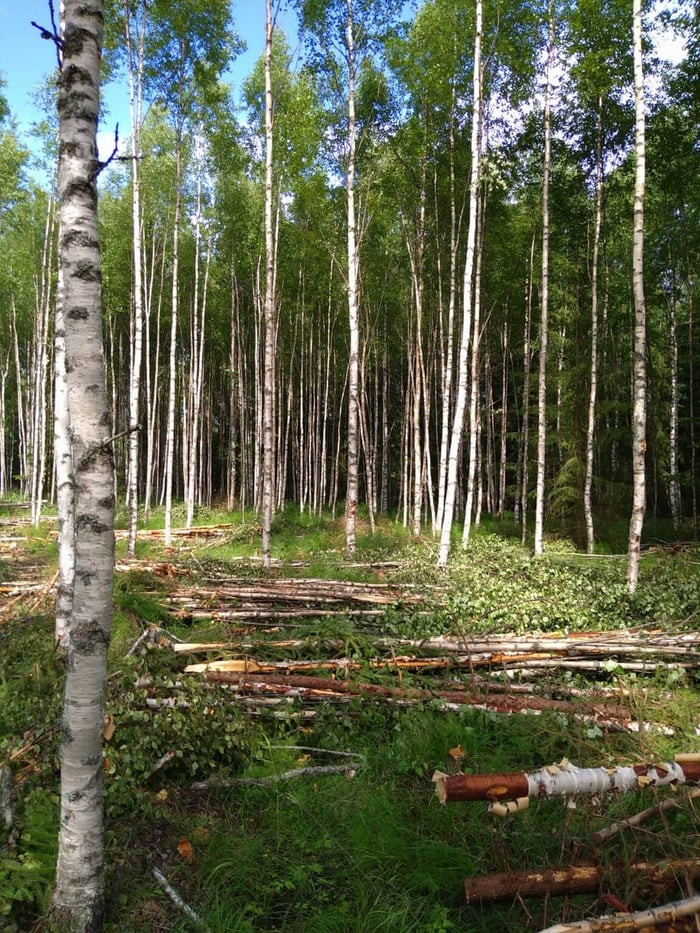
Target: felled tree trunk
{"points": [[564, 779], [668, 918], [578, 879]]}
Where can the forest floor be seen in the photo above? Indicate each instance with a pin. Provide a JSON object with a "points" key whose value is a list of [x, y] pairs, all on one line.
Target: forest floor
{"points": [[272, 735]]}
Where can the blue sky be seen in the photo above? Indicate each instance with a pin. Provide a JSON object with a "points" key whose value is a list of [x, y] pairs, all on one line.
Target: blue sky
{"points": [[26, 58]]}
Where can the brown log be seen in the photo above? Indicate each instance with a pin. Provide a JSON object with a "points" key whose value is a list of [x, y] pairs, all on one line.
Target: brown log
{"points": [[578, 879], [308, 685]]}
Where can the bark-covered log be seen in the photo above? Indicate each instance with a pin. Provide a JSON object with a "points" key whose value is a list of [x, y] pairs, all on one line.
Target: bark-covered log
{"points": [[308, 686], [564, 779], [668, 918], [577, 879]]}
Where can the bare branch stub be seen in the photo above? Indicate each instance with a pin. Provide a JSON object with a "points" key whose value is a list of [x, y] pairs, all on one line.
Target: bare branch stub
{"points": [[51, 34]]}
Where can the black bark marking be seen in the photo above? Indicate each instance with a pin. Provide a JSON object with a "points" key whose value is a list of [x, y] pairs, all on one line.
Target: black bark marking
{"points": [[66, 732], [81, 188], [75, 37], [89, 637], [80, 238], [76, 313], [85, 576], [91, 523], [87, 271], [91, 761]]}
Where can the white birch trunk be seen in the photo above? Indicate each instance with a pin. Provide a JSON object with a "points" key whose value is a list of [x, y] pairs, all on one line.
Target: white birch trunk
{"points": [[78, 899], [639, 376], [268, 502], [460, 405], [527, 367], [590, 429], [65, 481], [4, 466], [172, 365], [674, 488], [448, 360], [40, 368], [136, 64], [503, 458], [21, 408], [353, 446], [544, 300], [474, 388]]}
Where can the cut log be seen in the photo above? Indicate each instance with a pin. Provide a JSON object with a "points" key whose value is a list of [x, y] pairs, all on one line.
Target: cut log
{"points": [[578, 879], [310, 687], [563, 779], [668, 918]]}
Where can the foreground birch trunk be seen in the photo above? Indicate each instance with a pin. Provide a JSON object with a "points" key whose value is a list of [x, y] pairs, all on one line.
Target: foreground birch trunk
{"points": [[65, 487], [639, 372], [78, 899]]}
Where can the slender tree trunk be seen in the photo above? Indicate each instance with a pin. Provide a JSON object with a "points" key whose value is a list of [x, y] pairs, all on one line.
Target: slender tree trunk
{"points": [[474, 387], [416, 252], [639, 373], [5, 470], [40, 367], [21, 406], [78, 899], [460, 405], [544, 300], [353, 445], [448, 360], [590, 430], [152, 382], [527, 367], [674, 489], [136, 64], [172, 365], [268, 502], [503, 458]]}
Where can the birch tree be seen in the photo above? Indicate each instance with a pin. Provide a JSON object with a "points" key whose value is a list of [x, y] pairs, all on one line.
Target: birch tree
{"points": [[467, 298], [134, 35], [269, 310], [639, 372], [335, 26], [544, 297], [78, 899]]}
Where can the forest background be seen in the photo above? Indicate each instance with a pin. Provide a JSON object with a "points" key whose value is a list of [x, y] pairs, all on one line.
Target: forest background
{"points": [[184, 299]]}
